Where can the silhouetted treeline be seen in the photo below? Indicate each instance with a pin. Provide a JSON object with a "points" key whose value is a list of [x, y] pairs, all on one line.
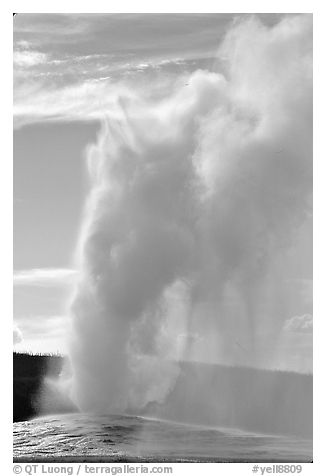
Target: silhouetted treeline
{"points": [[28, 373]]}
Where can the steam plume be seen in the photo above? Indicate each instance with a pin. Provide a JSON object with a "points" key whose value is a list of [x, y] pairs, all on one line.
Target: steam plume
{"points": [[193, 201]]}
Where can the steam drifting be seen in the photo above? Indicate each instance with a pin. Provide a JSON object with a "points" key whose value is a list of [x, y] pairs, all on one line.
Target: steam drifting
{"points": [[194, 200]]}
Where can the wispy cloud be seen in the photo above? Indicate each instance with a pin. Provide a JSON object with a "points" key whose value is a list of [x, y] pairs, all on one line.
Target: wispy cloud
{"points": [[44, 277], [28, 58], [300, 324]]}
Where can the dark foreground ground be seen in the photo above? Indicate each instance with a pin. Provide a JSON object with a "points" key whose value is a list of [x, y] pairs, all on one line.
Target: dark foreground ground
{"points": [[266, 401], [88, 437]]}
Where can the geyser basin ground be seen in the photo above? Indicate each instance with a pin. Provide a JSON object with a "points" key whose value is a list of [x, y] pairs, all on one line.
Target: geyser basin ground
{"points": [[102, 438]]}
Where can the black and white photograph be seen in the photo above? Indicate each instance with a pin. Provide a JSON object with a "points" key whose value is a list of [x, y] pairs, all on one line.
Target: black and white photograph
{"points": [[163, 239]]}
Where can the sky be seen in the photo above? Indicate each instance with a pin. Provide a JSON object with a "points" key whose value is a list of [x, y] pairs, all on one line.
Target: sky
{"points": [[70, 72]]}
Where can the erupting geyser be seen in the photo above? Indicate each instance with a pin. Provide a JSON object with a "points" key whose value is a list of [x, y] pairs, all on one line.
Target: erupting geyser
{"points": [[194, 199]]}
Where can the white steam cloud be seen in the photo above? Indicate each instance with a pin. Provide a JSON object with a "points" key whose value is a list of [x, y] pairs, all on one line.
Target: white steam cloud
{"points": [[193, 201]]}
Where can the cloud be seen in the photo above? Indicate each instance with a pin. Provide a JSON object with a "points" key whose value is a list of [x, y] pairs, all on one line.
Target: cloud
{"points": [[28, 58], [45, 277], [23, 44], [42, 324], [17, 335], [44, 333], [301, 324]]}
